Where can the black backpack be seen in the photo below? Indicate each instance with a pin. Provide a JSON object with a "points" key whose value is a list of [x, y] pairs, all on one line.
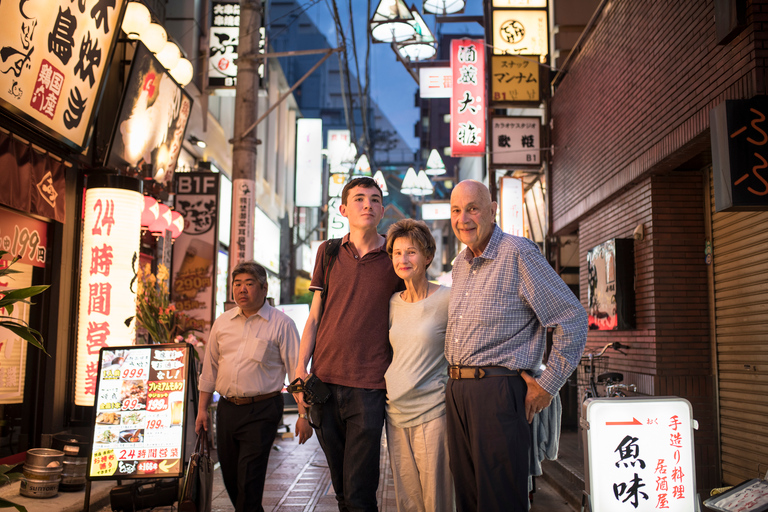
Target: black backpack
{"points": [[331, 252]]}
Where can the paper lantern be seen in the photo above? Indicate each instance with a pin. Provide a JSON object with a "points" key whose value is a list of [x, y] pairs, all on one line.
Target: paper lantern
{"points": [[163, 221], [183, 72], [169, 56], [177, 224], [154, 38], [111, 237], [151, 211], [136, 20]]}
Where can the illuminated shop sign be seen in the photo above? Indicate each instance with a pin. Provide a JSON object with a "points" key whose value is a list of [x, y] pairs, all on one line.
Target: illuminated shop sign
{"points": [[140, 412], [153, 118], [468, 103], [111, 232], [511, 206], [54, 58], [309, 163], [515, 140], [515, 79], [521, 32], [224, 40]]}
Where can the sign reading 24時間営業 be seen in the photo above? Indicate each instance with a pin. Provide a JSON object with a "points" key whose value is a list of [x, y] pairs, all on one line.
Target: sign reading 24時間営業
{"points": [[53, 58], [140, 412]]}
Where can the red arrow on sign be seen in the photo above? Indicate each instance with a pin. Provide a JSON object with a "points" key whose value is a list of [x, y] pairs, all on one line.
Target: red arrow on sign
{"points": [[634, 421]]}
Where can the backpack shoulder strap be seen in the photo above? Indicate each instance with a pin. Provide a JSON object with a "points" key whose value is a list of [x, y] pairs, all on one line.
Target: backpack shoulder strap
{"points": [[329, 257]]}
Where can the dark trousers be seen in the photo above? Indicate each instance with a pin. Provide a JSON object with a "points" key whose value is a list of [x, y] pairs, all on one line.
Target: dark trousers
{"points": [[350, 435], [488, 442], [245, 434]]}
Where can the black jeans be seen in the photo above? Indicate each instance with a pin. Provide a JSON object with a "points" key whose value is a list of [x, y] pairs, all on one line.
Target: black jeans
{"points": [[350, 435], [488, 442], [245, 434]]}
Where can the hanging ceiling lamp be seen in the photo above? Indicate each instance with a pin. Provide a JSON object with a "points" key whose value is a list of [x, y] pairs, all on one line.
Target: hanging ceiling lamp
{"points": [[443, 6], [154, 38], [183, 72], [391, 23], [362, 166], [410, 184], [421, 45], [136, 20], [381, 182], [425, 185], [435, 165]]}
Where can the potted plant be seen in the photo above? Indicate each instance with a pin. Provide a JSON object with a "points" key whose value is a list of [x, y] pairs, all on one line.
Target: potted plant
{"points": [[9, 298]]}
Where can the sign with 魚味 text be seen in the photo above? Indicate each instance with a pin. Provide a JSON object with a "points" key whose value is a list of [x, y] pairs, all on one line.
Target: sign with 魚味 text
{"points": [[515, 79], [53, 61], [140, 412], [640, 454], [739, 133], [468, 103]]}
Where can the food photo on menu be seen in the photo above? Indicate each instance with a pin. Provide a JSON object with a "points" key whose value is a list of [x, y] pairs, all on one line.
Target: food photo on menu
{"points": [[135, 435], [113, 359], [105, 436], [108, 418], [134, 390]]}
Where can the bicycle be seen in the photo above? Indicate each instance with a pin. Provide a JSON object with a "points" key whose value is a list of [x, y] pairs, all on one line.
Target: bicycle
{"points": [[593, 364]]}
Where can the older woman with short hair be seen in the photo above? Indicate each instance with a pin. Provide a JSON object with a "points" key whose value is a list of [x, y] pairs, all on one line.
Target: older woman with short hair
{"points": [[416, 378]]}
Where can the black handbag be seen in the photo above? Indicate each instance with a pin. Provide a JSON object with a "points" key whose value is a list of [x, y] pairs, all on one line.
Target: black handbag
{"points": [[144, 494], [196, 493]]}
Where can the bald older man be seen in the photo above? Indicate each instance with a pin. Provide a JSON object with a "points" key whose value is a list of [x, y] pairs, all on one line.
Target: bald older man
{"points": [[504, 297]]}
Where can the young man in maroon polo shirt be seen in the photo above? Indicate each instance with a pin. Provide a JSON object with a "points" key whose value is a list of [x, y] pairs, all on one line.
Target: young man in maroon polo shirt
{"points": [[350, 347]]}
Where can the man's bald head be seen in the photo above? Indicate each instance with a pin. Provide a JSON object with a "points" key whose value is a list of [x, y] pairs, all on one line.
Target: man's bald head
{"points": [[472, 214]]}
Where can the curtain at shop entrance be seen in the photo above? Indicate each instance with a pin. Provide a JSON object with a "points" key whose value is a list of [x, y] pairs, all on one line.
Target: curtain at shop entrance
{"points": [[30, 181]]}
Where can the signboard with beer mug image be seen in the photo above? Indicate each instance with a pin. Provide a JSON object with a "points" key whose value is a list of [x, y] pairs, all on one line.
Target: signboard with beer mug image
{"points": [[140, 411]]}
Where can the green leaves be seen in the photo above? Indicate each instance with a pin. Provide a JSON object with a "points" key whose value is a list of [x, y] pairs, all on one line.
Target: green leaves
{"points": [[8, 300]]}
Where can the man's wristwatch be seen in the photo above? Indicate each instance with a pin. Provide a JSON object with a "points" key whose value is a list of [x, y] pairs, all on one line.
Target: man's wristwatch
{"points": [[304, 416]]}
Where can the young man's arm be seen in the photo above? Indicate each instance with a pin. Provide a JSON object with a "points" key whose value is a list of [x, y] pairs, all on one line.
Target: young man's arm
{"points": [[307, 345]]}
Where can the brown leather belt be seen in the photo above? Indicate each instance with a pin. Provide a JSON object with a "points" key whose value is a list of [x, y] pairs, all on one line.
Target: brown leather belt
{"points": [[478, 372], [245, 400]]}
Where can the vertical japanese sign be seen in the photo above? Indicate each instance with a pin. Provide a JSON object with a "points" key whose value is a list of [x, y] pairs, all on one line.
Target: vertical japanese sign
{"points": [[243, 211], [521, 32], [739, 134], [111, 231], [224, 40], [53, 62], [468, 103], [140, 412], [24, 236], [512, 204], [339, 147], [153, 119], [640, 454], [309, 163], [435, 82], [194, 252], [514, 79], [515, 140]]}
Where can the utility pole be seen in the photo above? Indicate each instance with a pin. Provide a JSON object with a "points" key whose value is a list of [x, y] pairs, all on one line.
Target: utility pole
{"points": [[244, 142]]}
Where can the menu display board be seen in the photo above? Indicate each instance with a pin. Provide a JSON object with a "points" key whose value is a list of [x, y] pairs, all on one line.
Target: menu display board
{"points": [[140, 411]]}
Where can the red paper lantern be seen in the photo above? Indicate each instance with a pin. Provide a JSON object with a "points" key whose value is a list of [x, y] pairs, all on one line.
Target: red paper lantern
{"points": [[177, 224], [163, 221], [151, 211]]}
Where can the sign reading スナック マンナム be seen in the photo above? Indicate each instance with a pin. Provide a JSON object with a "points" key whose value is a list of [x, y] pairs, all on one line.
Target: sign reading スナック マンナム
{"points": [[140, 412], [640, 454], [53, 60], [468, 103], [515, 79]]}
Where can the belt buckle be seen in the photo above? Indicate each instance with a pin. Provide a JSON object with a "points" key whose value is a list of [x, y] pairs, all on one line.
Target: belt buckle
{"points": [[454, 372]]}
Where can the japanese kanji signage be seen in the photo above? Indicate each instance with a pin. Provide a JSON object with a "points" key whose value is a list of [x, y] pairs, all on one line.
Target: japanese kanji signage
{"points": [[515, 79], [111, 231], [152, 121], [515, 140], [24, 236], [243, 207], [739, 133], [194, 251], [140, 412], [511, 206], [435, 82], [53, 60], [224, 39], [339, 149], [521, 32], [468, 103], [640, 454], [309, 162]]}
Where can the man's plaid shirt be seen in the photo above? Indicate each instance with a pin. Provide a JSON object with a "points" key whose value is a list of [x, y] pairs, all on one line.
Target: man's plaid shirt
{"points": [[501, 305]]}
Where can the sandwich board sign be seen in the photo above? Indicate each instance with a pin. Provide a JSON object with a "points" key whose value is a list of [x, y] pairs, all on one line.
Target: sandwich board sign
{"points": [[639, 454], [141, 398]]}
